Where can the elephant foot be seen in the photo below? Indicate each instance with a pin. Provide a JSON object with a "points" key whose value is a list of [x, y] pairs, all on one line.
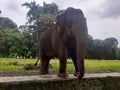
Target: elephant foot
{"points": [[63, 75], [77, 74], [43, 73]]}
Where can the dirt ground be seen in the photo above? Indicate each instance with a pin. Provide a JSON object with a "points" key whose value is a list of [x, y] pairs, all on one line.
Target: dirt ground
{"points": [[4, 74]]}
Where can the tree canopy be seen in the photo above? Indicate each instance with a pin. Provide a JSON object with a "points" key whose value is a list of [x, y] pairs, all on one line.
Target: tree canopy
{"points": [[102, 49], [40, 17], [6, 23], [0, 11]]}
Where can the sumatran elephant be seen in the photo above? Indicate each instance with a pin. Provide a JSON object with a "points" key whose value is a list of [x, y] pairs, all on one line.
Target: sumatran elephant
{"points": [[65, 39]]}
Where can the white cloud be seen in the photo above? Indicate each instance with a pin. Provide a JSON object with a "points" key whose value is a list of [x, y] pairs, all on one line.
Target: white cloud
{"points": [[108, 9], [103, 19], [12, 5], [111, 9]]}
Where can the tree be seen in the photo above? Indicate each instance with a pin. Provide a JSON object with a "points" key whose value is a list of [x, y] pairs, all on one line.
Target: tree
{"points": [[51, 8], [17, 43], [23, 45], [40, 18], [98, 49], [110, 48], [7, 27], [89, 47], [14, 42], [5, 42], [118, 53], [102, 49], [6, 23], [34, 12], [0, 12], [37, 15]]}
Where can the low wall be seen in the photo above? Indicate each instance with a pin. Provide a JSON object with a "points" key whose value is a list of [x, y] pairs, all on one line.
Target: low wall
{"points": [[52, 82]]}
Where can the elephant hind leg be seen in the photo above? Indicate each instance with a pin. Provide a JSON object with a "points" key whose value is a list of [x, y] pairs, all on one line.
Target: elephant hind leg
{"points": [[47, 64], [42, 66]]}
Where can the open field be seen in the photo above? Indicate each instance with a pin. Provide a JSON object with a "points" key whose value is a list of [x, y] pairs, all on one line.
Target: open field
{"points": [[91, 66]]}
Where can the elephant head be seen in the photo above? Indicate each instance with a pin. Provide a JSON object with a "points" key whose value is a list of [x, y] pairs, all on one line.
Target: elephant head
{"points": [[73, 23]]}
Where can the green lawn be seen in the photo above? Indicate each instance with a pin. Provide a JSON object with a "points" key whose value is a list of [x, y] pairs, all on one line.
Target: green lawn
{"points": [[91, 66]]}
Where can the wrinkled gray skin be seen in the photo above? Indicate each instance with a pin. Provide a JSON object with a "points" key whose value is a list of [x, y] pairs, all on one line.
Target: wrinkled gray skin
{"points": [[65, 39]]}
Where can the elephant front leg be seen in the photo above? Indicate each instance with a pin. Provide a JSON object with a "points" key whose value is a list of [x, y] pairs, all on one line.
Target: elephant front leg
{"points": [[74, 59], [75, 64], [62, 71], [63, 61]]}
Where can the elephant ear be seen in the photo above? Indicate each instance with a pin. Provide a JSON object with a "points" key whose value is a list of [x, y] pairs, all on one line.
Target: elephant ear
{"points": [[64, 21], [57, 28], [60, 21]]}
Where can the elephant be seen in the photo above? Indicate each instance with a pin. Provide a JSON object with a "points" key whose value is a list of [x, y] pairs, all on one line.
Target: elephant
{"points": [[65, 39]]}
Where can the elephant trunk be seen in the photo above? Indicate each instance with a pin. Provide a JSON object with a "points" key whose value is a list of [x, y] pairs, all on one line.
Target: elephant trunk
{"points": [[80, 51], [80, 32]]}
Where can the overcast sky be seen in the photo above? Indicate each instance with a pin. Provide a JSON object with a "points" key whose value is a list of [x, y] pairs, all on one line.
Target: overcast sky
{"points": [[103, 16]]}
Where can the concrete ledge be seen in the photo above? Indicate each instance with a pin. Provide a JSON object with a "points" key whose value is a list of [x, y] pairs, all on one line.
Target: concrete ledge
{"points": [[104, 81]]}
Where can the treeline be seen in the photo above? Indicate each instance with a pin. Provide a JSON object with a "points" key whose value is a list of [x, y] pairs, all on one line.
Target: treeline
{"points": [[22, 42], [102, 49], [15, 43]]}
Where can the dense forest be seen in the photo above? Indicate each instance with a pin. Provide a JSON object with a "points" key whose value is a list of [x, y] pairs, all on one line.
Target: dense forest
{"points": [[22, 41]]}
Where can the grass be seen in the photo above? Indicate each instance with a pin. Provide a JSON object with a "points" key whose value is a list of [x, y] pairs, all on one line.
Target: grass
{"points": [[6, 67], [91, 66], [98, 66]]}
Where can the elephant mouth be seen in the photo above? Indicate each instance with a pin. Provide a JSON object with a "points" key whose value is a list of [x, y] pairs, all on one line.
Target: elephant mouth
{"points": [[71, 42]]}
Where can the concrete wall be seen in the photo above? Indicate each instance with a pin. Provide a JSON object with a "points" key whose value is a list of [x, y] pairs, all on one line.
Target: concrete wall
{"points": [[87, 83]]}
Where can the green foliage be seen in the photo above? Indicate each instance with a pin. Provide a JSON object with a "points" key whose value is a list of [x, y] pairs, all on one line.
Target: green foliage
{"points": [[102, 49], [34, 11], [0, 12], [13, 42], [89, 47], [6, 23], [51, 8], [22, 45], [110, 46], [7, 35], [37, 15], [45, 22], [6, 40], [16, 43], [118, 53]]}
